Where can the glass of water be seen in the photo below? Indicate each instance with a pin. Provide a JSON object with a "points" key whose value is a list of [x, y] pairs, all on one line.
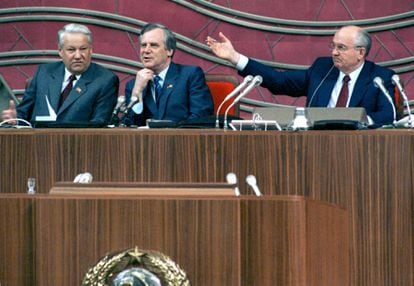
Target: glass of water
{"points": [[31, 184]]}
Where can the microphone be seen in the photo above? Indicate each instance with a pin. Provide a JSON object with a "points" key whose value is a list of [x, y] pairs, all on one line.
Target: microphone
{"points": [[379, 83], [397, 82], [134, 100], [319, 85], [252, 182], [83, 178], [245, 82], [119, 103], [257, 80], [232, 180]]}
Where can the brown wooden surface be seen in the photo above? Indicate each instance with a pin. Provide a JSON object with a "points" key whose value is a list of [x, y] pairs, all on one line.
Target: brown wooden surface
{"points": [[144, 189], [17, 263], [273, 240], [368, 172]]}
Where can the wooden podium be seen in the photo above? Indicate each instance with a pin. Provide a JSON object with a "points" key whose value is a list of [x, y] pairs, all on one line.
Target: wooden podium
{"points": [[218, 240]]}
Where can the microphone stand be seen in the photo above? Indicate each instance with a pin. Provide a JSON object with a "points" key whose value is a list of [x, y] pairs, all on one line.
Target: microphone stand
{"points": [[396, 80], [257, 80], [245, 82], [134, 100], [379, 83]]}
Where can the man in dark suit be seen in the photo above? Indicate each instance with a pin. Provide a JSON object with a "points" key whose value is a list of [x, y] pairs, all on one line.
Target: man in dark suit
{"points": [[165, 90], [323, 80], [73, 90]]}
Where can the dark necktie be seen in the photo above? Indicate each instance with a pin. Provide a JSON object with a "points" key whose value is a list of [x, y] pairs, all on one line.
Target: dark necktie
{"points": [[67, 89], [157, 88], [343, 94]]}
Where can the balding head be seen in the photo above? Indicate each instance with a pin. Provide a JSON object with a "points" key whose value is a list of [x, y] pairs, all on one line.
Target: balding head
{"points": [[356, 35]]}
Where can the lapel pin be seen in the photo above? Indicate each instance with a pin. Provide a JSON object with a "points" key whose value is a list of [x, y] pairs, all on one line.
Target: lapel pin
{"points": [[170, 86], [78, 89]]}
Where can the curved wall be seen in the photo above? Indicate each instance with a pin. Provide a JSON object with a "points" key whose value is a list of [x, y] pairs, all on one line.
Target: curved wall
{"points": [[284, 34]]}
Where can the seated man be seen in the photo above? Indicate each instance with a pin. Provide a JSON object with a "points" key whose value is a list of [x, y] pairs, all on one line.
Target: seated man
{"points": [[71, 90], [322, 82], [165, 90]]}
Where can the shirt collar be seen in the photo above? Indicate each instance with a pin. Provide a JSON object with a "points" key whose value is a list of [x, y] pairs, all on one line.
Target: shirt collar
{"points": [[353, 75], [68, 74], [163, 74]]}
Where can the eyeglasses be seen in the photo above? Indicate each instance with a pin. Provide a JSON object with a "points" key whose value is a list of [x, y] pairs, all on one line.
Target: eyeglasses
{"points": [[342, 48]]}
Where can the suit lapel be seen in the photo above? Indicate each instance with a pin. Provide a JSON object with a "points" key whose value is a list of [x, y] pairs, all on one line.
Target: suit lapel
{"points": [[325, 91], [79, 89], [361, 85], [149, 101], [75, 93], [167, 88], [55, 87]]}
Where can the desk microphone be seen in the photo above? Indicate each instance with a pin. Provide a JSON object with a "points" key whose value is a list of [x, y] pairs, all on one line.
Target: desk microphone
{"points": [[120, 102], [83, 178], [379, 83], [235, 91], [252, 182], [397, 82], [257, 80], [134, 100], [232, 180]]}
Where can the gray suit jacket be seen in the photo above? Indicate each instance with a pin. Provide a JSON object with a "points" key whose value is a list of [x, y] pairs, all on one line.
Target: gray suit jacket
{"points": [[91, 100]]}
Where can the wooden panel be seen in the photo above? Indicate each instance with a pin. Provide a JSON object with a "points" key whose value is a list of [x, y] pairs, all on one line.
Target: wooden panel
{"points": [[368, 172], [217, 241], [17, 265], [202, 236], [291, 241], [17, 160], [163, 189]]}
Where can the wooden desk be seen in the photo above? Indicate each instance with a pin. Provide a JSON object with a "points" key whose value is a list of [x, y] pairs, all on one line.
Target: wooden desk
{"points": [[274, 240], [368, 172]]}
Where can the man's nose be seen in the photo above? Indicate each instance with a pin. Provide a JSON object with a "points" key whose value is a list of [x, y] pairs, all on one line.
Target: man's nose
{"points": [[77, 53]]}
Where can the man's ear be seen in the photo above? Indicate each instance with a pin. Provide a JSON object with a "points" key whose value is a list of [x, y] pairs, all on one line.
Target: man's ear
{"points": [[362, 52]]}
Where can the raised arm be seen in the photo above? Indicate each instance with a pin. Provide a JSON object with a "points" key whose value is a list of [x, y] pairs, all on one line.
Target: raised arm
{"points": [[223, 48]]}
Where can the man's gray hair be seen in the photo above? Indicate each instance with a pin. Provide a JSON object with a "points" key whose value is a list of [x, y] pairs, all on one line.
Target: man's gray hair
{"points": [[169, 39], [74, 28], [363, 39]]}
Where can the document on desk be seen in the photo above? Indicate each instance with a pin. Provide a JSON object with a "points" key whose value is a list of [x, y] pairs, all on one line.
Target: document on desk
{"points": [[52, 114]]}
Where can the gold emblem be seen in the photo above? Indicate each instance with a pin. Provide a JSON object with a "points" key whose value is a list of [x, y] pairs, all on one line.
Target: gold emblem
{"points": [[136, 264]]}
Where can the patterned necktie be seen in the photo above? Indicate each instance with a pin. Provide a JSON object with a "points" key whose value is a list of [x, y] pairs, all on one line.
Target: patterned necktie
{"points": [[343, 95], [67, 89], [157, 88]]}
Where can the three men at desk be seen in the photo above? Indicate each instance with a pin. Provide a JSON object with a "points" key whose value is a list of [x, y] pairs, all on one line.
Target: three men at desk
{"points": [[166, 90]]}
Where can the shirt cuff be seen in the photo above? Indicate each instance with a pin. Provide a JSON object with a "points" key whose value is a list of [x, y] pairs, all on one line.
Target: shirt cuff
{"points": [[370, 121], [242, 63], [138, 108]]}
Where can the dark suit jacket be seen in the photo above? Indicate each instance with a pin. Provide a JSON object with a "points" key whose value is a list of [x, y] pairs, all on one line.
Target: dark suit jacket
{"points": [[185, 95], [317, 83], [92, 99]]}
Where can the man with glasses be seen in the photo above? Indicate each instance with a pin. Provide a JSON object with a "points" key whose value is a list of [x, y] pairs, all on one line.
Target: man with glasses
{"points": [[323, 81], [73, 90]]}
